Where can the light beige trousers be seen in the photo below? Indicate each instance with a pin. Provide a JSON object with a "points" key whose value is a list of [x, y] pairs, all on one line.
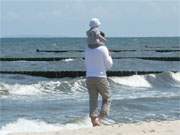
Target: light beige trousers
{"points": [[96, 86]]}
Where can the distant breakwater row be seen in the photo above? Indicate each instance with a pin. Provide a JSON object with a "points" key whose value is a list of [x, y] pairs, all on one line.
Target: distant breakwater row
{"points": [[122, 50], [60, 74], [63, 58]]}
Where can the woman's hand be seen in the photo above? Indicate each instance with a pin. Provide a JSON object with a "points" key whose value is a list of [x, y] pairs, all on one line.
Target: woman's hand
{"points": [[110, 52]]}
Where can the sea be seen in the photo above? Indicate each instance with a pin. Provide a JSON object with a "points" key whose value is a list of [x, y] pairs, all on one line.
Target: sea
{"points": [[40, 104]]}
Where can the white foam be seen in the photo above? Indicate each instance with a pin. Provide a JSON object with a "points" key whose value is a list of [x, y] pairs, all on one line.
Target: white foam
{"points": [[63, 89], [24, 125], [176, 76], [151, 80], [28, 126], [166, 79], [19, 89], [133, 81], [78, 85], [29, 89], [68, 60]]}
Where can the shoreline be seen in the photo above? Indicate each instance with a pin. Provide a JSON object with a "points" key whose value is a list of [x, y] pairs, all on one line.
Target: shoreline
{"points": [[141, 128]]}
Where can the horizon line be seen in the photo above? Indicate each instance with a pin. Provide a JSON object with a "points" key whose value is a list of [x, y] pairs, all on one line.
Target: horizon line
{"points": [[85, 37]]}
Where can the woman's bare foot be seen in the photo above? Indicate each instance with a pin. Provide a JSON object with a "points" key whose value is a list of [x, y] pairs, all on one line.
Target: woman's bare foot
{"points": [[95, 121], [101, 117]]}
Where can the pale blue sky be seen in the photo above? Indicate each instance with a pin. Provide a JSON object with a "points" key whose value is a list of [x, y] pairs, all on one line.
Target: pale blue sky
{"points": [[70, 18]]}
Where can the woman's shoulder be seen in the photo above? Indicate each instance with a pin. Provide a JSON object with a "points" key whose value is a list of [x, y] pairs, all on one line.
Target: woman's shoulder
{"points": [[103, 48]]}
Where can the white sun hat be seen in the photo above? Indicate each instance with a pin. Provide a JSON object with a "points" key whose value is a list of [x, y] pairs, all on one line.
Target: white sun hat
{"points": [[94, 22]]}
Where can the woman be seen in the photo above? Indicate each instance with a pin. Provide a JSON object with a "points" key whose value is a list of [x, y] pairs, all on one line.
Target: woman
{"points": [[97, 61]]}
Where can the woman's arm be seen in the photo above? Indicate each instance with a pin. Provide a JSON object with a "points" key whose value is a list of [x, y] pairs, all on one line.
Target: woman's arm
{"points": [[107, 58], [101, 38]]}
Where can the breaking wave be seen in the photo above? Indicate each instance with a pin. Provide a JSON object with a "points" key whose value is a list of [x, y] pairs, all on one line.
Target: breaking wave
{"points": [[74, 88], [23, 125], [166, 79], [44, 87]]}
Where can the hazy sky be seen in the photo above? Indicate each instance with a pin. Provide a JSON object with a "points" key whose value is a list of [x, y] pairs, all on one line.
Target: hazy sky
{"points": [[70, 18]]}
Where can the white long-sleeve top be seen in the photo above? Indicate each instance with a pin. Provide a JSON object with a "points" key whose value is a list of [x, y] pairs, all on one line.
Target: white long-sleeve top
{"points": [[97, 61]]}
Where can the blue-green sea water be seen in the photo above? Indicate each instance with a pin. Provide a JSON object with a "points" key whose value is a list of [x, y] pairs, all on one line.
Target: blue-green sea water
{"points": [[35, 104]]}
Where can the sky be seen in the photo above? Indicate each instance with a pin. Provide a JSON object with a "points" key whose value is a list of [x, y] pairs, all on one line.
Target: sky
{"points": [[70, 18]]}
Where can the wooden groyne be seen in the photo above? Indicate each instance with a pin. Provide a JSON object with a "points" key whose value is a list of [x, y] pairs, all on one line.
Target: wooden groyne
{"points": [[63, 51], [37, 59], [60, 74], [58, 51], [63, 58], [160, 58], [112, 50]]}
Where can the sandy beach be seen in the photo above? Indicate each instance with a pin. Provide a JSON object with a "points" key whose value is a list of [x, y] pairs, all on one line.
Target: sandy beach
{"points": [[143, 128]]}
